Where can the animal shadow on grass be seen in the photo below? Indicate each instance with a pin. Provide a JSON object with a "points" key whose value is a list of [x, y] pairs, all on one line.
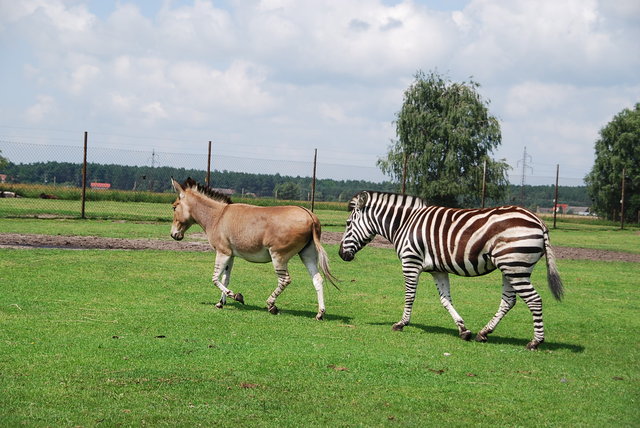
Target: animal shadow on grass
{"points": [[285, 311], [493, 338]]}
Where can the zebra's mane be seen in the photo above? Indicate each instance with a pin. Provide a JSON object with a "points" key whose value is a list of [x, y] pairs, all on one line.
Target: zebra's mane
{"points": [[377, 195], [207, 191]]}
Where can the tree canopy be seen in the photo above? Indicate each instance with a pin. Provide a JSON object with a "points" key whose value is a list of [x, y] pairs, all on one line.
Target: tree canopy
{"points": [[445, 133], [617, 149]]}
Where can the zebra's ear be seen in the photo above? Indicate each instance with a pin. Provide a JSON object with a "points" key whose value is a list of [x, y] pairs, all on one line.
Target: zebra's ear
{"points": [[362, 200]]}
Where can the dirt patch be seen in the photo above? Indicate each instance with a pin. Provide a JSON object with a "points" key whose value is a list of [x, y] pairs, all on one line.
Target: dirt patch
{"points": [[197, 242]]}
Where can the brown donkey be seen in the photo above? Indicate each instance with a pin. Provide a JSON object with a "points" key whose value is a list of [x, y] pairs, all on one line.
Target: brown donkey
{"points": [[257, 234]]}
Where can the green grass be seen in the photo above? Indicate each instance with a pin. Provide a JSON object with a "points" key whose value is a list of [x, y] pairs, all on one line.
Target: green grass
{"points": [[603, 237], [131, 338]]}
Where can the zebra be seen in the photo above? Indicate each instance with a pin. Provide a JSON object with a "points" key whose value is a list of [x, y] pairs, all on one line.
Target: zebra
{"points": [[465, 242]]}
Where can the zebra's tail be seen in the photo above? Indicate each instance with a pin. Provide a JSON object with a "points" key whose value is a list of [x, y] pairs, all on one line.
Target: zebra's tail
{"points": [[323, 258], [553, 276]]}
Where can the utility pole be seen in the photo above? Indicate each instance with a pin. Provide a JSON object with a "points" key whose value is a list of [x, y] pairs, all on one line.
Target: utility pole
{"points": [[153, 158], [525, 158]]}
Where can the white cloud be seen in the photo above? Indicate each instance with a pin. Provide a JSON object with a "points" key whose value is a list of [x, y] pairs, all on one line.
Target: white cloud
{"points": [[44, 107], [331, 74], [82, 77]]}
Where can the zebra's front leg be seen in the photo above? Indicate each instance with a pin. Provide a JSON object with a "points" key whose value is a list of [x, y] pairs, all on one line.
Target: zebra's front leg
{"points": [[411, 276], [283, 280], [444, 290], [222, 268], [507, 302]]}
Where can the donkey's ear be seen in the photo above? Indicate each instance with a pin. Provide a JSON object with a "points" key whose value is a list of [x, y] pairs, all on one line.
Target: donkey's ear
{"points": [[177, 187], [362, 200]]}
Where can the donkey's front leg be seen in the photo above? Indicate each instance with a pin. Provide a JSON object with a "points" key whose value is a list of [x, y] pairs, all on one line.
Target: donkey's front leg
{"points": [[222, 268]]}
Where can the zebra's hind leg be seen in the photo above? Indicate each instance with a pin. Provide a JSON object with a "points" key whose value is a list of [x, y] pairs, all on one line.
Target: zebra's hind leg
{"points": [[507, 302], [444, 289], [534, 302]]}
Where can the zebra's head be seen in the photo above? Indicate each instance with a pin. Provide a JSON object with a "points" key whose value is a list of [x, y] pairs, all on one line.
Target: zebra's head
{"points": [[358, 232]]}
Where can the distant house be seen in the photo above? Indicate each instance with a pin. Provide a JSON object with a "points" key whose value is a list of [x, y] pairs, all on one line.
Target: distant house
{"points": [[3, 178], [227, 192], [100, 186]]}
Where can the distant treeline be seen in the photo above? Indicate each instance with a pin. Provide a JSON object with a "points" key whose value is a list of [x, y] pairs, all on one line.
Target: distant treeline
{"points": [[261, 185], [158, 179]]}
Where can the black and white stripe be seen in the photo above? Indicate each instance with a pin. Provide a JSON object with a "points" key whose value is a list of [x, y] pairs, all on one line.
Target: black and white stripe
{"points": [[465, 242]]}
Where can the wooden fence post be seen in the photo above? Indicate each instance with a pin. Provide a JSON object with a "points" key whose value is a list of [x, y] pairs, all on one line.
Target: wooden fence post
{"points": [[84, 176]]}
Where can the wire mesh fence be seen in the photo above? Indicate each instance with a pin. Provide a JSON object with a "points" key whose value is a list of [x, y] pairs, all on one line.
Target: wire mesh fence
{"points": [[47, 180]]}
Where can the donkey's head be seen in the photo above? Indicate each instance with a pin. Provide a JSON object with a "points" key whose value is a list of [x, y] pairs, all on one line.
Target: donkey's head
{"points": [[182, 219], [359, 231]]}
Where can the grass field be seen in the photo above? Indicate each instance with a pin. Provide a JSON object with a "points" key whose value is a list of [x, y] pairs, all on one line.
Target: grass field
{"points": [[128, 338], [142, 208]]}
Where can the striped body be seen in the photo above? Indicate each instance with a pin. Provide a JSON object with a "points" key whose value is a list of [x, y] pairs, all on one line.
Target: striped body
{"points": [[465, 242]]}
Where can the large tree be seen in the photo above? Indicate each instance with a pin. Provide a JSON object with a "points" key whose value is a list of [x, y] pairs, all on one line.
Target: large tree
{"points": [[3, 161], [445, 133], [617, 149]]}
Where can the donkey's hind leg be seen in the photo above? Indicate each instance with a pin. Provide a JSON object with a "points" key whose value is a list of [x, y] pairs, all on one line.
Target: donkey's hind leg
{"points": [[309, 256], [283, 280], [222, 269]]}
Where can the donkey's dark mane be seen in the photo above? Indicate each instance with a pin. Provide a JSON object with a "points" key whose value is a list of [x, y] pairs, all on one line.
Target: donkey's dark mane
{"points": [[207, 191]]}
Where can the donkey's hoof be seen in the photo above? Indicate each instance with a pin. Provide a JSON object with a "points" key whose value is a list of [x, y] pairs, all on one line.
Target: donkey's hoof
{"points": [[273, 309], [238, 298], [219, 305], [466, 335], [397, 326]]}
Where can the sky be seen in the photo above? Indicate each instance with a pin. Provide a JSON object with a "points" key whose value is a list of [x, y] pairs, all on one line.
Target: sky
{"points": [[273, 80]]}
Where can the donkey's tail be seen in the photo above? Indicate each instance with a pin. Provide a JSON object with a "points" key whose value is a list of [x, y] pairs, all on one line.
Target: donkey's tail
{"points": [[323, 259], [553, 277]]}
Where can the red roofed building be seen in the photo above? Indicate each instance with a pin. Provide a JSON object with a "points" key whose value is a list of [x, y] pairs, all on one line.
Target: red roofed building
{"points": [[100, 186]]}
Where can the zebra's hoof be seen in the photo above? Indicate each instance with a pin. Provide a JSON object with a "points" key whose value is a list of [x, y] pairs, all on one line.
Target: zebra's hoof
{"points": [[320, 316], [480, 337], [238, 298], [533, 345], [466, 335], [219, 305], [397, 327], [273, 309]]}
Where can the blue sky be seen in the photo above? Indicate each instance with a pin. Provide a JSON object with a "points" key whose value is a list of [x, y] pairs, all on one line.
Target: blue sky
{"points": [[274, 79]]}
